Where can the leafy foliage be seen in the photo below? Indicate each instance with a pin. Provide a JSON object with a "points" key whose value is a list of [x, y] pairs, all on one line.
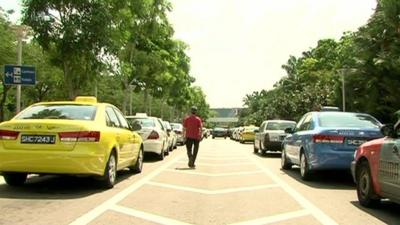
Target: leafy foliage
{"points": [[369, 60]]}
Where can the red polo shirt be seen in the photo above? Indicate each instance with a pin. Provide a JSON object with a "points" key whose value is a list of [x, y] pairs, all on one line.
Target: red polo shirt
{"points": [[193, 127]]}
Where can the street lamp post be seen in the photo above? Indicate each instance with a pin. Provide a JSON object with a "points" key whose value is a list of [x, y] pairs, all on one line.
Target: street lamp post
{"points": [[344, 71], [343, 94], [21, 32]]}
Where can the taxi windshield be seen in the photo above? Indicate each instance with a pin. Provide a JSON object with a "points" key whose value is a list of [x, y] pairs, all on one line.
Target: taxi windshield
{"points": [[59, 111]]}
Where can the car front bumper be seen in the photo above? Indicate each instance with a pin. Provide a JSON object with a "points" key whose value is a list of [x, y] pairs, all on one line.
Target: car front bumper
{"points": [[353, 170]]}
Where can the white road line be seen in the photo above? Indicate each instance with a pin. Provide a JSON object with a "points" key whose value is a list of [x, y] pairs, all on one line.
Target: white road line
{"points": [[2, 180], [215, 174], [92, 214], [213, 192], [315, 211], [220, 164], [225, 158], [275, 218], [146, 216]]}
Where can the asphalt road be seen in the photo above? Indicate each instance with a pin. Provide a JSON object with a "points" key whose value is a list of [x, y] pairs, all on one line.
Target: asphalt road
{"points": [[230, 185]]}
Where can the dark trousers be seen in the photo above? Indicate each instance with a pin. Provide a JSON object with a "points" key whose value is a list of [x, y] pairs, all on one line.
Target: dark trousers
{"points": [[192, 147]]}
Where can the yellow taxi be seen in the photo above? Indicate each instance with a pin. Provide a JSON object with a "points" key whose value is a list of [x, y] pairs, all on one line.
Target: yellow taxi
{"points": [[247, 134], [81, 137]]}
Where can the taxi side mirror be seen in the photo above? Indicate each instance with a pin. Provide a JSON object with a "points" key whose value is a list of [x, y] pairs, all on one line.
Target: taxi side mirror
{"points": [[136, 127], [388, 131]]}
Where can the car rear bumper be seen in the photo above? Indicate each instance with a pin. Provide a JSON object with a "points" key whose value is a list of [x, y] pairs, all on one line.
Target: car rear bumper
{"points": [[50, 162], [273, 146], [331, 160], [153, 146]]}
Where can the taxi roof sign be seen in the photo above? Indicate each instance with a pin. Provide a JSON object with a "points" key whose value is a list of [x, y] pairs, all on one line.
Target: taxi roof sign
{"points": [[89, 99]]}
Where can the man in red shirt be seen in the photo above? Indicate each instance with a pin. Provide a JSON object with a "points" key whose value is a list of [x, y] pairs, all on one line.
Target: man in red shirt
{"points": [[192, 128]]}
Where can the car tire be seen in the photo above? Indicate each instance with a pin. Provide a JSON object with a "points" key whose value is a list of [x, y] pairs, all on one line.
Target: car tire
{"points": [[110, 172], [285, 164], [305, 172], [15, 179], [161, 156], [213, 137], [365, 190], [138, 166], [255, 149]]}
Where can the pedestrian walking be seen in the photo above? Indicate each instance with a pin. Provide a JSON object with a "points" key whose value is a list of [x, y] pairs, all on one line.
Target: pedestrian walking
{"points": [[192, 128]]}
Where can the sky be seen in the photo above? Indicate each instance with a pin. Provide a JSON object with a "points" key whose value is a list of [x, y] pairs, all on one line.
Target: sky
{"points": [[238, 46]]}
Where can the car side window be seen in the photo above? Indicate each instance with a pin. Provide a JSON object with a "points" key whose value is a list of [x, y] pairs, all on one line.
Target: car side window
{"points": [[113, 119], [262, 127], [123, 123], [300, 123], [306, 124], [161, 125]]}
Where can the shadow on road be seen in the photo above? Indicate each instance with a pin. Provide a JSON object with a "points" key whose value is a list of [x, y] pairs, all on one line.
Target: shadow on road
{"points": [[387, 212], [341, 180], [269, 154], [57, 187]]}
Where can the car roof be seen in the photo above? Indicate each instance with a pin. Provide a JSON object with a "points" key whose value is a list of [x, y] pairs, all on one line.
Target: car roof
{"points": [[280, 121]]}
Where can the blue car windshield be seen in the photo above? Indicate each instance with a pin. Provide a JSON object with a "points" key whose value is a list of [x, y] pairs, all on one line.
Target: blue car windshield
{"points": [[348, 120]]}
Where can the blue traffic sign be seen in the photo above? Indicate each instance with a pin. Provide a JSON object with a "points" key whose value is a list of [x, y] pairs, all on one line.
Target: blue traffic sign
{"points": [[23, 75]]}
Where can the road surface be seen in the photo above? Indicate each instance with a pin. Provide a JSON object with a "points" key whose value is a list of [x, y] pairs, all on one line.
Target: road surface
{"points": [[230, 185]]}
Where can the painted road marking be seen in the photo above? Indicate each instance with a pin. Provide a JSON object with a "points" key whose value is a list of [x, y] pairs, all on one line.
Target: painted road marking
{"points": [[215, 174], [146, 216], [276, 218], [315, 211], [219, 164], [92, 214], [2, 181], [213, 192], [225, 158]]}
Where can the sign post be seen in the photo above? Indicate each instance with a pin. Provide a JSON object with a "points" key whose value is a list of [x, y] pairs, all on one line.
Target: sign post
{"points": [[19, 75]]}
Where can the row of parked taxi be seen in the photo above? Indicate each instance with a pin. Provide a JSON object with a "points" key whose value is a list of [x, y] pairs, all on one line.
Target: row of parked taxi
{"points": [[80, 137], [334, 140]]}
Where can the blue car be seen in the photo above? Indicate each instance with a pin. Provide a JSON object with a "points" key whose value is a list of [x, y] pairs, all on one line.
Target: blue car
{"points": [[327, 140]]}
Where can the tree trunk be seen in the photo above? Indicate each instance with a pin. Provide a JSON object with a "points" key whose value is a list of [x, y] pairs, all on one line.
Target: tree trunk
{"points": [[145, 101], [69, 81], [125, 96], [3, 101]]}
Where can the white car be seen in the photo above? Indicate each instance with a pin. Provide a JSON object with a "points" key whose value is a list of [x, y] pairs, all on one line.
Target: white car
{"points": [[171, 135], [178, 129], [153, 133]]}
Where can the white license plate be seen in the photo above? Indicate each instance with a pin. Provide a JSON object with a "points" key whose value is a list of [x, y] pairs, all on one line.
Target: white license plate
{"points": [[38, 139]]}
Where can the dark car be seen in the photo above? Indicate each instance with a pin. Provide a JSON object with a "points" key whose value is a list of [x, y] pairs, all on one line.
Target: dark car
{"points": [[219, 132]]}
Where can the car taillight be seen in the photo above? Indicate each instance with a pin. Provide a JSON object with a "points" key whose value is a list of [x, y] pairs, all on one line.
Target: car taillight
{"points": [[8, 135], [153, 135], [328, 139], [81, 136]]}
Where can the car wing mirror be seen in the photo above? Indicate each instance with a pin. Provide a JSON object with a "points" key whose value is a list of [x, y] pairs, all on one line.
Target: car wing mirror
{"points": [[136, 127], [388, 130], [289, 130]]}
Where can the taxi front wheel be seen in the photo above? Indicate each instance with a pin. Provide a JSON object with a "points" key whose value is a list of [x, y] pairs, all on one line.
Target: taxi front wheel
{"points": [[15, 179], [365, 189]]}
